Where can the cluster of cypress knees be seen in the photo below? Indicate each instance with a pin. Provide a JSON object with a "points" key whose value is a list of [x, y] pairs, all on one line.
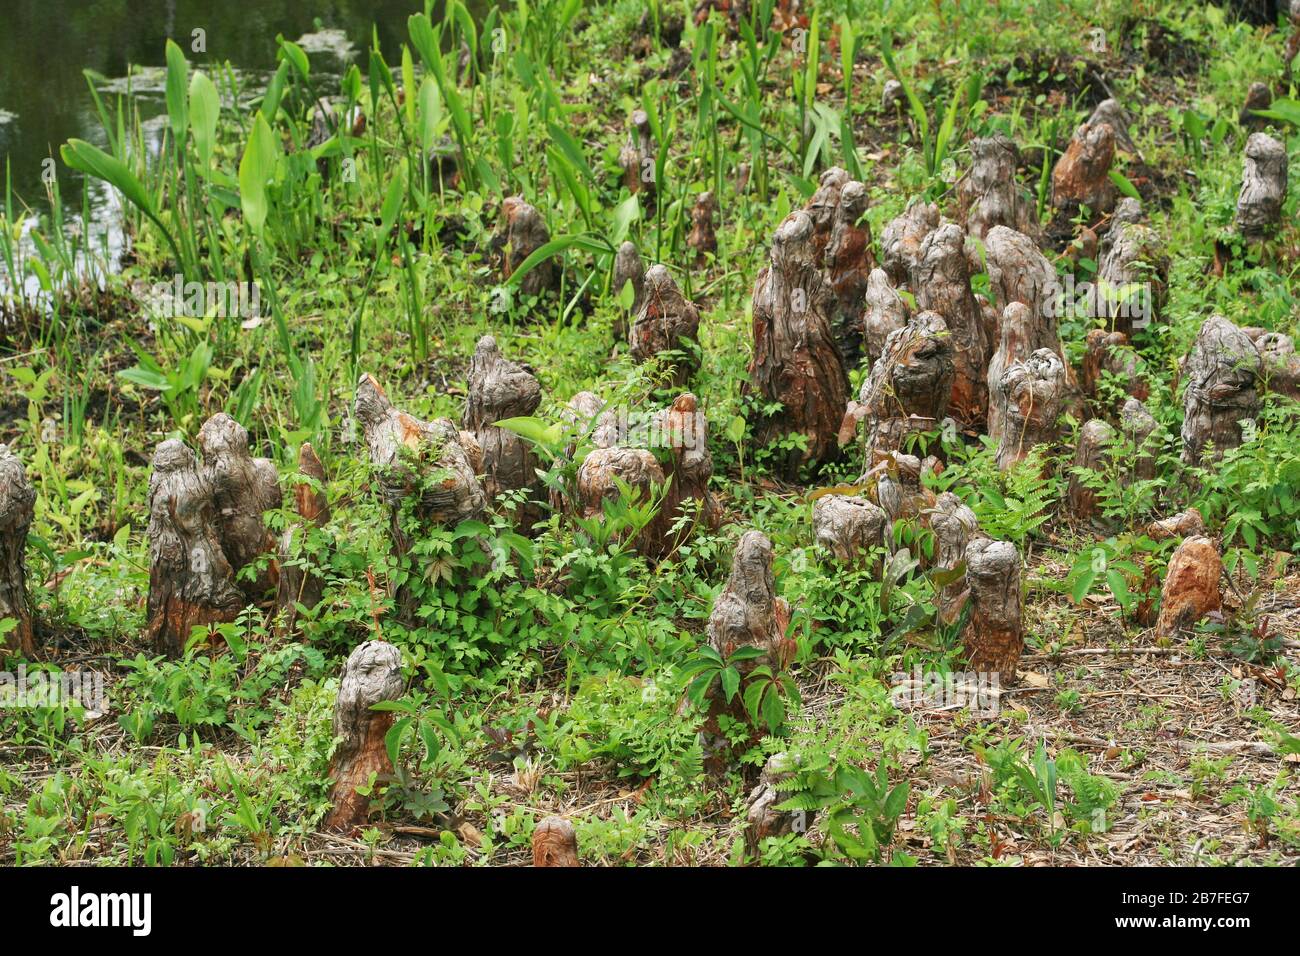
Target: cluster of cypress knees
{"points": [[828, 298]]}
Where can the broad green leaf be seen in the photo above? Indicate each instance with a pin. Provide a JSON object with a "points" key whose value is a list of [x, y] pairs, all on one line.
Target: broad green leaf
{"points": [[205, 113], [177, 85]]}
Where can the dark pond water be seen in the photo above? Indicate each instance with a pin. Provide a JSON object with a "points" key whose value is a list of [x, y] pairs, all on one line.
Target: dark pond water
{"points": [[45, 45]]}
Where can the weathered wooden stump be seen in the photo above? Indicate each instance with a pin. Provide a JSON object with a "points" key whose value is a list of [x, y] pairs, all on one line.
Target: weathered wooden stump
{"points": [[554, 842], [190, 581], [499, 389], [372, 674], [848, 527], [1222, 372], [954, 526], [521, 233], [637, 159], [666, 322], [17, 507], [989, 194], [941, 283], [994, 636], [1279, 364], [1139, 427], [847, 267], [885, 312], [243, 487], [1182, 525], [1095, 439], [1112, 114], [1191, 588], [1133, 273], [1263, 187], [1258, 97], [599, 476], [910, 385], [821, 209], [1082, 174], [628, 268], [796, 361], [421, 468], [1109, 353], [703, 238], [900, 240], [683, 431], [747, 613], [1019, 272], [762, 818], [1029, 397]]}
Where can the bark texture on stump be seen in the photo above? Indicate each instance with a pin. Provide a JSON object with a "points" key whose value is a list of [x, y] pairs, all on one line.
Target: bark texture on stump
{"points": [[747, 613], [397, 442], [762, 818], [994, 637], [372, 674], [900, 240], [17, 505], [682, 429], [1029, 396], [954, 526], [1015, 344], [1279, 363], [900, 490], [1191, 588], [910, 384], [190, 581], [796, 361], [703, 239], [667, 321], [554, 842], [1019, 272], [847, 267], [1181, 525], [941, 282], [243, 487], [1112, 114], [1263, 187], [848, 527], [297, 584], [587, 410], [990, 194], [499, 389], [1131, 254], [1082, 174], [1222, 372], [885, 312], [1140, 427], [637, 158], [1095, 438], [628, 267], [821, 209], [1109, 352], [596, 479], [523, 232]]}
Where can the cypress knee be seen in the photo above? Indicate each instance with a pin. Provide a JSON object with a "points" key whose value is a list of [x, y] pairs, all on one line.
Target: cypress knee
{"points": [[1222, 373], [372, 674], [666, 322], [1191, 588], [796, 361], [17, 504], [190, 581], [994, 638]]}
